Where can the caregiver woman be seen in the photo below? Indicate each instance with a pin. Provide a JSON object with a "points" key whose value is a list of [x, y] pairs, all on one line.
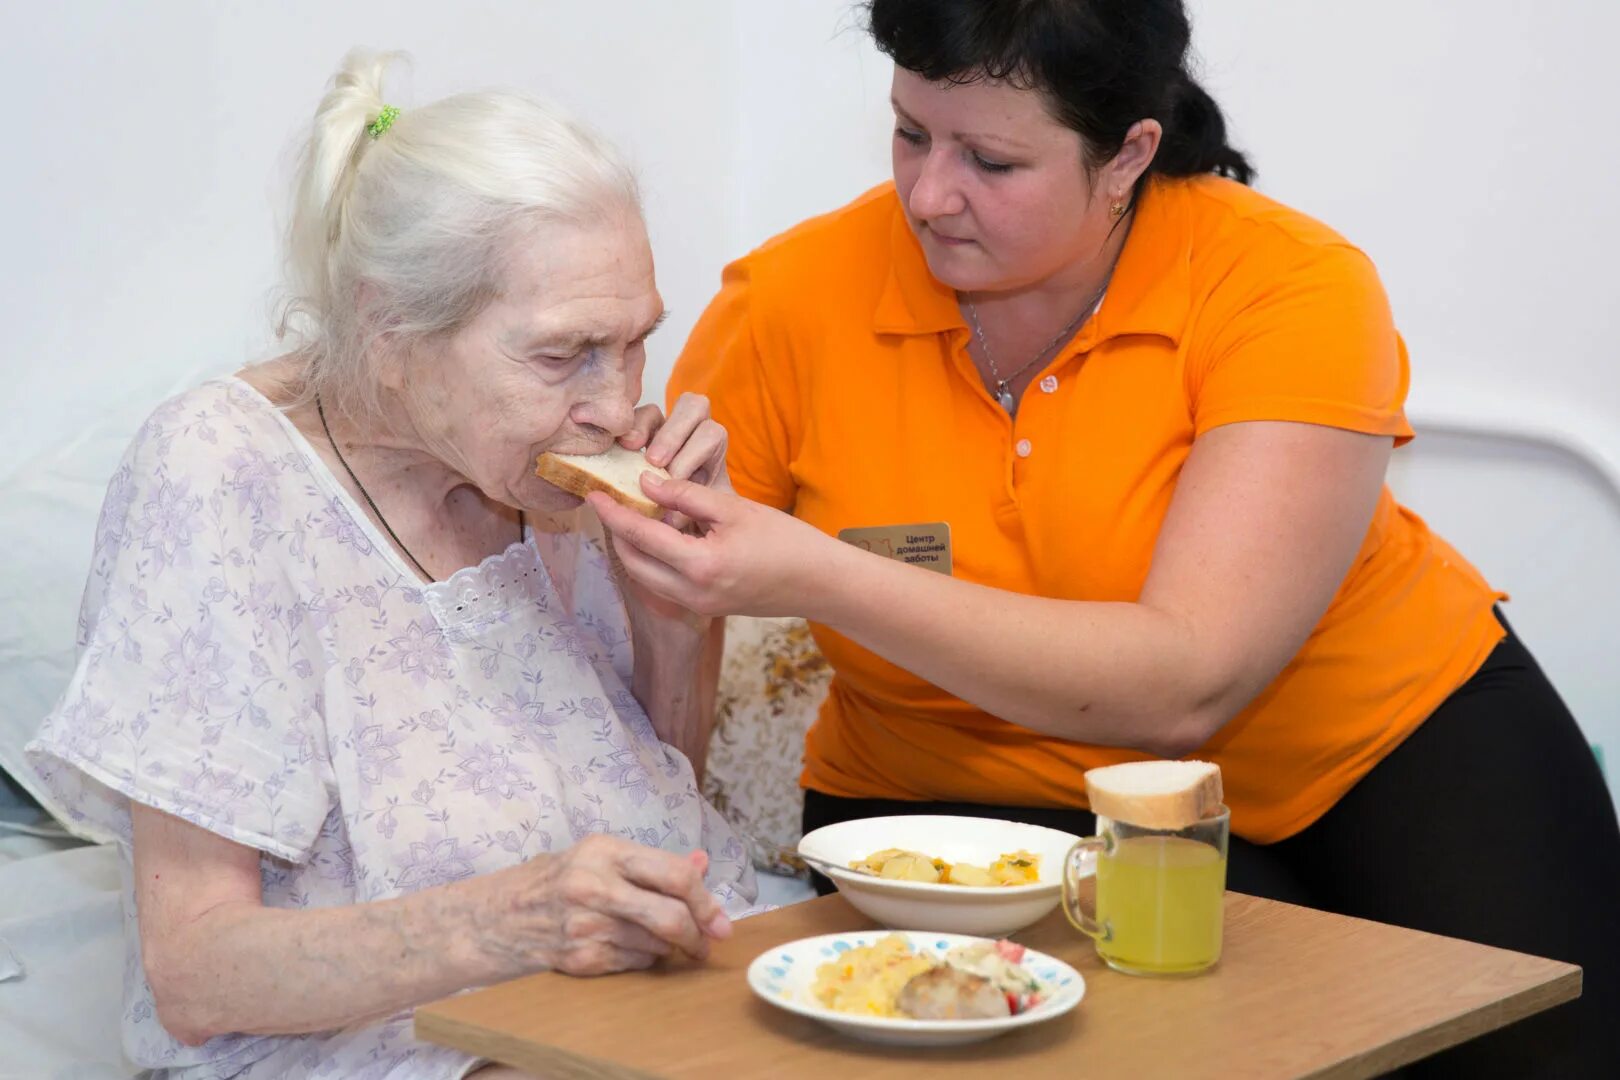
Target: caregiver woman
{"points": [[1144, 413]]}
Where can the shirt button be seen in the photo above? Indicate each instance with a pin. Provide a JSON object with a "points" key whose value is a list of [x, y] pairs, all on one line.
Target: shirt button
{"points": [[1049, 384], [1023, 448]]}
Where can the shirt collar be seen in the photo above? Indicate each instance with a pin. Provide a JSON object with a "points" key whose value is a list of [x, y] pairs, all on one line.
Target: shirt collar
{"points": [[913, 301], [1151, 291]]}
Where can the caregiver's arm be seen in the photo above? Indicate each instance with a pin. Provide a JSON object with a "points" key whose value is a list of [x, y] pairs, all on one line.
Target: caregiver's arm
{"points": [[1266, 520], [220, 961]]}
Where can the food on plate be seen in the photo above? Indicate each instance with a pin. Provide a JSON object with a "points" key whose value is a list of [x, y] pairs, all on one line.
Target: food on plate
{"points": [[616, 472], [897, 864], [868, 980], [1156, 794], [889, 978], [949, 993]]}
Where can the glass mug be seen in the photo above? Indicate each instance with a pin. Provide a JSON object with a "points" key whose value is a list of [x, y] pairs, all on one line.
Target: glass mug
{"points": [[1160, 894]]}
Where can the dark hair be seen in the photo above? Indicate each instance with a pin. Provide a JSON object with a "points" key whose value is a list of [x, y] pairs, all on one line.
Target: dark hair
{"points": [[1102, 65]]}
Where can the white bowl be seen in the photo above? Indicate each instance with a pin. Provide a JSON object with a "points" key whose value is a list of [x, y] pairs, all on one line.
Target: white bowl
{"points": [[985, 911], [785, 976]]}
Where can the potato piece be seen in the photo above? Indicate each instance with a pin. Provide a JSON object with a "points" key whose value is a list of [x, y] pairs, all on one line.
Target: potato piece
{"points": [[968, 874], [874, 862], [910, 867], [1016, 868]]}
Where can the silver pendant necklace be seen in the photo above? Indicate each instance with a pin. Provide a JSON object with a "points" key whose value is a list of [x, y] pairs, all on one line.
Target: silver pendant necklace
{"points": [[1003, 393]]}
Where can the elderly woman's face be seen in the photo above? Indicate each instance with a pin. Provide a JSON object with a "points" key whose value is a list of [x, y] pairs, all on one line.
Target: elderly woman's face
{"points": [[552, 363], [993, 185]]}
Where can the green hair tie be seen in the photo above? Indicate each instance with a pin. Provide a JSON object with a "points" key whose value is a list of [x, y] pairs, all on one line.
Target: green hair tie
{"points": [[384, 121]]}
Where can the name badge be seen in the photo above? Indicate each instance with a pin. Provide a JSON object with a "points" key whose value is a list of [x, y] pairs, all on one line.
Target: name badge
{"points": [[928, 546]]}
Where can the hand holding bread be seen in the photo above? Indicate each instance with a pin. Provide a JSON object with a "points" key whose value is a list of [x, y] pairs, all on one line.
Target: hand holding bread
{"points": [[743, 558], [712, 552], [689, 445]]}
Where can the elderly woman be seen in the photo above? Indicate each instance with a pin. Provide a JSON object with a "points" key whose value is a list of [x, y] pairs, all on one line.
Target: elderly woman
{"points": [[372, 725], [1137, 417]]}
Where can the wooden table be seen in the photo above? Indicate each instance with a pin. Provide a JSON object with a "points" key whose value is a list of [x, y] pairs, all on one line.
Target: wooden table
{"points": [[1297, 993]]}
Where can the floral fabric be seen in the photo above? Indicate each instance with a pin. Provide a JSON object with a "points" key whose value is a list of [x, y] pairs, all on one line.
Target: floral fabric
{"points": [[256, 659], [772, 682]]}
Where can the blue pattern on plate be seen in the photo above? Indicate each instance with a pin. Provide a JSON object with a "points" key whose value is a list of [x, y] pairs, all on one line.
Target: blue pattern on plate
{"points": [[777, 978]]}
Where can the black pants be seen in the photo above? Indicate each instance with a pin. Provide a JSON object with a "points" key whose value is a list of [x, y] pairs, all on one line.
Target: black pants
{"points": [[1490, 823]]}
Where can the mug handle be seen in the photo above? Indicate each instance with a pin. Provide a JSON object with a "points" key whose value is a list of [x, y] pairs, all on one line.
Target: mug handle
{"points": [[1086, 924]]}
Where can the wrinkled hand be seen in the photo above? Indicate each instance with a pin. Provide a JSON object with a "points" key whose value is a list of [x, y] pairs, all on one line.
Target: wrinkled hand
{"points": [[742, 559], [604, 905]]}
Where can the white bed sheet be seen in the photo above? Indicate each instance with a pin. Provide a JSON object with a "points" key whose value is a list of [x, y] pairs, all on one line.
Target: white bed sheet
{"points": [[61, 993]]}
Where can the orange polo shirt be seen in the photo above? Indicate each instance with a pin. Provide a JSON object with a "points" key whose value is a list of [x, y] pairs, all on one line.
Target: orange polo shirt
{"points": [[839, 365]]}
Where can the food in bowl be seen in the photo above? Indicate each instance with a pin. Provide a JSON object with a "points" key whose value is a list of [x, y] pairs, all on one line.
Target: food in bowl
{"points": [[897, 864], [984, 912], [889, 978]]}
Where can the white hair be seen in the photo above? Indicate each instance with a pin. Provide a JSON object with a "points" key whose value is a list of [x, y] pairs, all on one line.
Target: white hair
{"points": [[404, 234]]}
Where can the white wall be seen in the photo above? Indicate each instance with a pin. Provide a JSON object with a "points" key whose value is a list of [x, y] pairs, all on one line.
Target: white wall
{"points": [[1466, 146], [1469, 149], [149, 145]]}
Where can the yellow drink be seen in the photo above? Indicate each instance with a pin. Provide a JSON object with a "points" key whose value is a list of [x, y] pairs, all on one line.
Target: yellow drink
{"points": [[1159, 899]]}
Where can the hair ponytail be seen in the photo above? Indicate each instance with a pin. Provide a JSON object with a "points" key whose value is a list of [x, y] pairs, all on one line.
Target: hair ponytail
{"points": [[327, 168], [404, 234], [1194, 140]]}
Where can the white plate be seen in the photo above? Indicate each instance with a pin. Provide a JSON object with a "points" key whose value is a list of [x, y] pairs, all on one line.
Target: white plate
{"points": [[784, 976], [988, 911]]}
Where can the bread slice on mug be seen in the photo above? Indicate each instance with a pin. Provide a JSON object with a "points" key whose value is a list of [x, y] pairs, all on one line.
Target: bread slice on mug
{"points": [[1156, 794], [616, 472]]}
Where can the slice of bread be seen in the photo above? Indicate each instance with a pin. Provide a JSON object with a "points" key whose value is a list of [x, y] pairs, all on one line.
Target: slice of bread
{"points": [[1156, 794], [616, 471]]}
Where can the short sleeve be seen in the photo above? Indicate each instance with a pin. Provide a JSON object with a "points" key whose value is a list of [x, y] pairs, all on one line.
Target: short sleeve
{"points": [[198, 683], [1312, 341], [722, 360]]}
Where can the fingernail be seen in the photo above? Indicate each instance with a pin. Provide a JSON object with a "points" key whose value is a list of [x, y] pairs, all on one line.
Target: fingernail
{"points": [[719, 926], [653, 478]]}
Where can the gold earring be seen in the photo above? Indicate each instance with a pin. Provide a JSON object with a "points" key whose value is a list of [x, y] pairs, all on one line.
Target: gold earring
{"points": [[1116, 209]]}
